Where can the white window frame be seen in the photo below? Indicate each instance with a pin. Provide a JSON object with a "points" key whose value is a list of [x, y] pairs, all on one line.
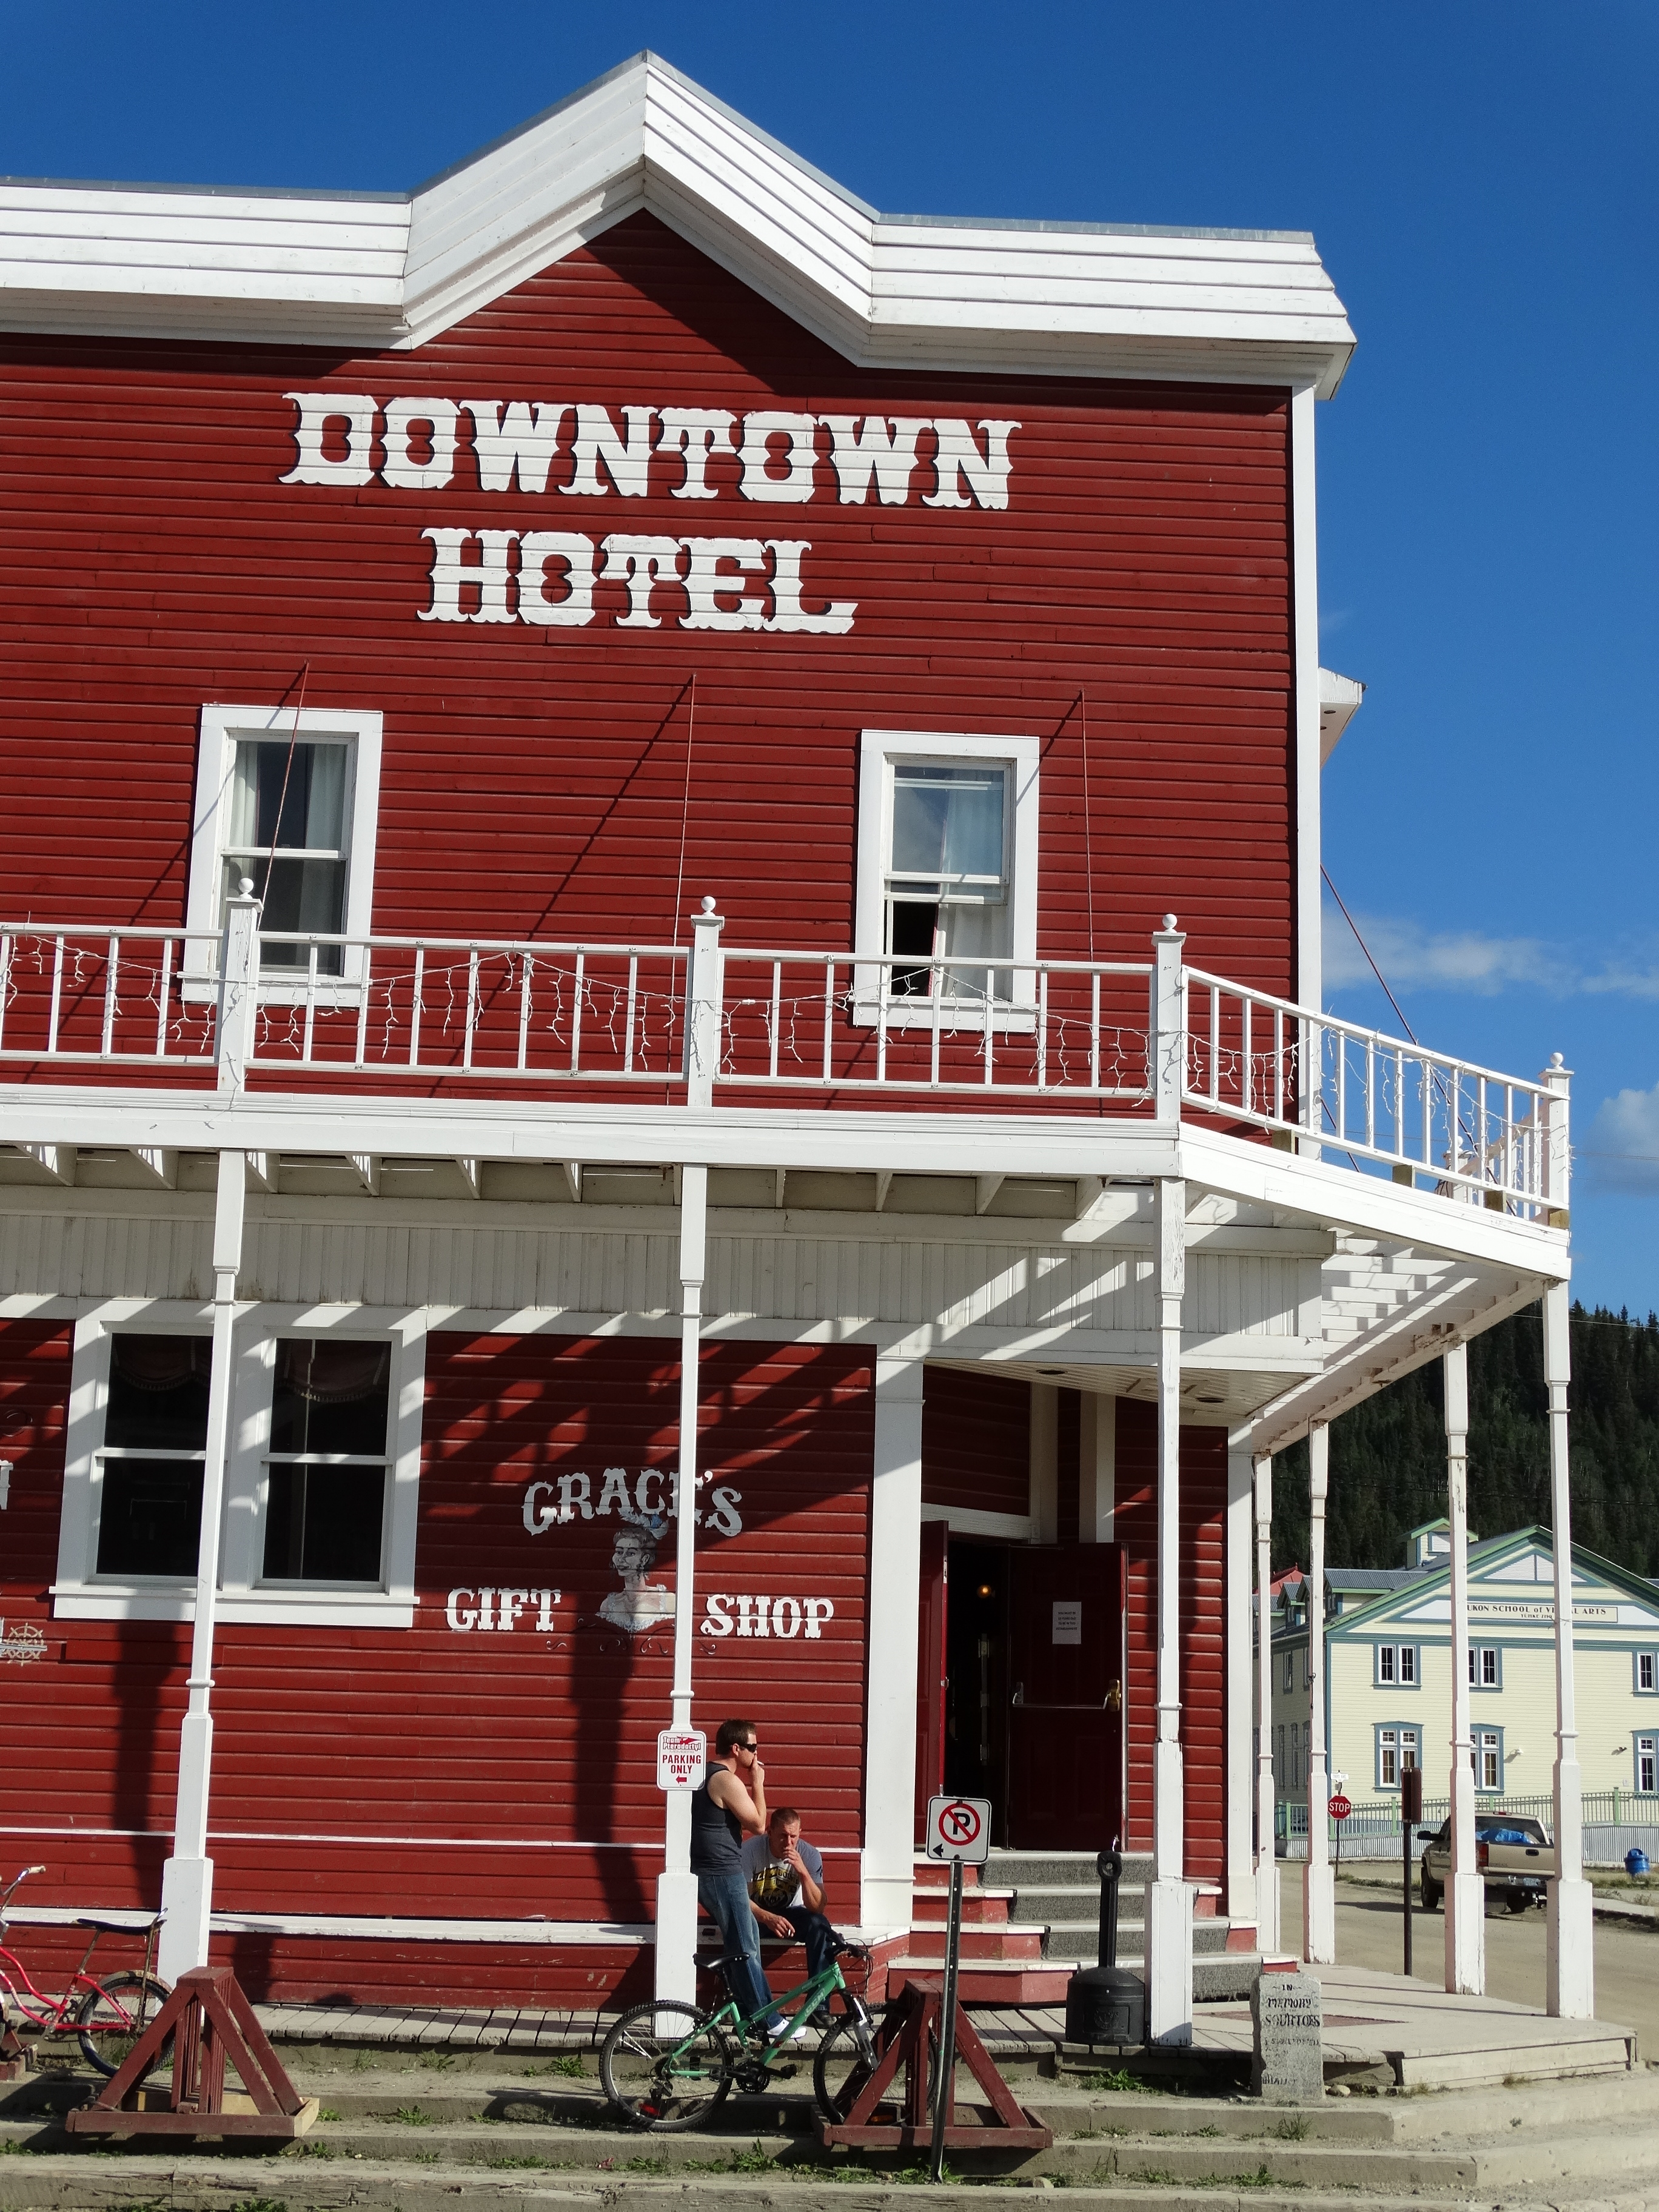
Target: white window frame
{"points": [[80, 1593], [1644, 1750], [879, 750], [1396, 1738], [1482, 1745], [1650, 1687], [215, 758], [1478, 1654], [1401, 1669]]}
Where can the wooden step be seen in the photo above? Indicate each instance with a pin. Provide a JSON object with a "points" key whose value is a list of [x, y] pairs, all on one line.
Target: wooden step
{"points": [[980, 1908], [1007, 1942], [991, 1981]]}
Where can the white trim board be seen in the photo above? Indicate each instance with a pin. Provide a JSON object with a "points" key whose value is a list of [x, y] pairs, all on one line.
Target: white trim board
{"points": [[544, 1935], [910, 292]]}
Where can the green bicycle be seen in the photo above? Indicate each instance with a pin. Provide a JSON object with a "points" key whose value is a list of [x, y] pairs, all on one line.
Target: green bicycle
{"points": [[669, 2066]]}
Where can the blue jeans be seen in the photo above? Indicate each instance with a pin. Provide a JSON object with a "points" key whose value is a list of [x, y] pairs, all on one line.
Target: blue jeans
{"points": [[823, 1944], [725, 1898]]}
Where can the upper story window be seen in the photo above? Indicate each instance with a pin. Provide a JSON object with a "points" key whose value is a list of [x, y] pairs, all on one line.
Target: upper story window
{"points": [[1647, 1672], [1486, 1666], [1396, 1666], [290, 803], [947, 874]]}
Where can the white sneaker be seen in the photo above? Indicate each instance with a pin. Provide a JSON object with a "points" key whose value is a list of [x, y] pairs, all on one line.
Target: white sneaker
{"points": [[791, 2031]]}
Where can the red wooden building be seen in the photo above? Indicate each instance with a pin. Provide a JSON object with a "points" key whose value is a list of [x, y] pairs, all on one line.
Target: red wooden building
{"points": [[601, 760]]}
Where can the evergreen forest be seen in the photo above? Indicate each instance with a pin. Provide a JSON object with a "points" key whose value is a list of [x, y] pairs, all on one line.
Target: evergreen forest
{"points": [[1388, 1454]]}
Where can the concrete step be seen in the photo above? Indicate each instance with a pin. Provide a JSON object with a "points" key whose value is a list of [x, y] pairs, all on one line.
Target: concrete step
{"points": [[1011, 1941], [1080, 1939], [988, 1981], [980, 1908], [1059, 1869]]}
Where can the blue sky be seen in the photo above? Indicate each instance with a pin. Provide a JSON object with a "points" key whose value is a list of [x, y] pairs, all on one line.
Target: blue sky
{"points": [[1481, 181]]}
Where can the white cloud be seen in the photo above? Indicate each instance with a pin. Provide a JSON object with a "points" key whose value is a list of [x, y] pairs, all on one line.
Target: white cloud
{"points": [[1469, 961], [1413, 957], [1621, 1152]]}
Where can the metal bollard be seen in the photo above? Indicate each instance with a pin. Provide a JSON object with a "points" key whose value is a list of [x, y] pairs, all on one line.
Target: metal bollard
{"points": [[1106, 2004]]}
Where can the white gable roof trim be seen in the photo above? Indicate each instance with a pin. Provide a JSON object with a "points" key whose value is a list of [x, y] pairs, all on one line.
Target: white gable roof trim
{"points": [[897, 292]]}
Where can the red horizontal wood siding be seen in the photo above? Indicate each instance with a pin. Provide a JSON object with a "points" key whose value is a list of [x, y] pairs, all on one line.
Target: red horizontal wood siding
{"points": [[975, 1441], [434, 1773], [1138, 584], [1203, 1715]]}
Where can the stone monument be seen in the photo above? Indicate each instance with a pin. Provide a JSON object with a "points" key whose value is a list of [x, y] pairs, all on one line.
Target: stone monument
{"points": [[1285, 2010]]}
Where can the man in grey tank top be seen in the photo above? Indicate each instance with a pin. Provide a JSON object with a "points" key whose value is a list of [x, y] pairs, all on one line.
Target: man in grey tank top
{"points": [[729, 1804]]}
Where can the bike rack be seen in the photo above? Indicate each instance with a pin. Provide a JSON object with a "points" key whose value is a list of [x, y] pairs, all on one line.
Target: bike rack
{"points": [[910, 2035], [211, 2023]]}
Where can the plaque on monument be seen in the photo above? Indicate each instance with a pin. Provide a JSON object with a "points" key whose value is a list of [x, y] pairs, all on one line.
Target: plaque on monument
{"points": [[1290, 2066]]}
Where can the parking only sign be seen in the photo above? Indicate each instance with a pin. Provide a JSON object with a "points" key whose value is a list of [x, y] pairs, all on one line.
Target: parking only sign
{"points": [[959, 1828], [682, 1756]]}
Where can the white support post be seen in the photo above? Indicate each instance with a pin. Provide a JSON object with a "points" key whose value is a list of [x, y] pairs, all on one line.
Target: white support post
{"points": [[1042, 1488], [1097, 1516], [703, 995], [1169, 1895], [1466, 1891], [1267, 1861], [1240, 1841], [1166, 1053], [886, 1870], [1319, 1887], [234, 1032], [1569, 1949], [187, 1874], [677, 1886]]}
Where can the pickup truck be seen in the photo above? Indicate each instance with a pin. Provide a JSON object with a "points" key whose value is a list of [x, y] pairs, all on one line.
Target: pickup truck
{"points": [[1515, 1857]]}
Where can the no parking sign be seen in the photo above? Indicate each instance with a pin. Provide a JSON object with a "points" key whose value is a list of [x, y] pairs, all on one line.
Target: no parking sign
{"points": [[959, 1828]]}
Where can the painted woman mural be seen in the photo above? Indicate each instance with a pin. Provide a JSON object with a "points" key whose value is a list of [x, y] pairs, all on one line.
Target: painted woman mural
{"points": [[638, 1605]]}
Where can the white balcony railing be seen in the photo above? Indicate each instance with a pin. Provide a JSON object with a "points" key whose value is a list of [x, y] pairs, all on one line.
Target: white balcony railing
{"points": [[1155, 1039]]}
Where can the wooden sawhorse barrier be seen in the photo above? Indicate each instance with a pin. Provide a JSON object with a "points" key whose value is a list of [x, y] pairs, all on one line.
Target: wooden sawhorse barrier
{"points": [[209, 2021], [910, 2035]]}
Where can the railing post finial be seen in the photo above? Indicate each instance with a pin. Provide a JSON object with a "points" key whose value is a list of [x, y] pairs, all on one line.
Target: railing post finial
{"points": [[1557, 1081], [1166, 1044]]}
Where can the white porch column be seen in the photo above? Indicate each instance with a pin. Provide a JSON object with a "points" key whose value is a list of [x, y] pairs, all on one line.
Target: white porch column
{"points": [[187, 1875], [1267, 1862], [676, 1966], [887, 1871], [1043, 1483], [1169, 1895], [1466, 1893], [1097, 1513], [1319, 1889], [1241, 1899], [1569, 1949]]}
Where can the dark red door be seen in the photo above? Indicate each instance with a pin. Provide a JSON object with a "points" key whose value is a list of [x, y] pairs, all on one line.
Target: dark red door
{"points": [[931, 1670], [1066, 1714]]}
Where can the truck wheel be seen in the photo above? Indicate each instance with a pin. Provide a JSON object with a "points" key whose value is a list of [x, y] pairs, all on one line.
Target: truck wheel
{"points": [[1431, 1892], [1516, 1900]]}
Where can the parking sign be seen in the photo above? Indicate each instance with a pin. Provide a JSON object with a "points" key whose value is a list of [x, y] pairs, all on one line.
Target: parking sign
{"points": [[959, 1828]]}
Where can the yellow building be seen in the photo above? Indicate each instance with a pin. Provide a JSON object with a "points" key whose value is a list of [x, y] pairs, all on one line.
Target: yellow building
{"points": [[1388, 1683]]}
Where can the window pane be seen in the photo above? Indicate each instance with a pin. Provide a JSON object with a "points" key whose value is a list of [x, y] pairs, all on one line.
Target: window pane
{"points": [[312, 807], [329, 1397], [149, 1517], [158, 1393], [298, 896], [1407, 1662], [1644, 1669], [947, 821], [323, 1524], [1385, 1662], [1489, 1669]]}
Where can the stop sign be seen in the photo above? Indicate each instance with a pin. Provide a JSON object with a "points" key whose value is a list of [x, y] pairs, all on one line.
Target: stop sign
{"points": [[1339, 1808]]}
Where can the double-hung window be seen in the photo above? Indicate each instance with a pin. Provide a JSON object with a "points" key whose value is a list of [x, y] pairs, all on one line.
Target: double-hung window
{"points": [[1647, 1764], [1486, 1666], [947, 879], [1396, 1666], [1647, 1672], [326, 1487], [154, 1446], [1489, 1759], [1396, 1749], [286, 801]]}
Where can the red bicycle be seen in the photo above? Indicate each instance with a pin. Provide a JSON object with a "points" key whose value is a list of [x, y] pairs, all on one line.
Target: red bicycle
{"points": [[108, 2016]]}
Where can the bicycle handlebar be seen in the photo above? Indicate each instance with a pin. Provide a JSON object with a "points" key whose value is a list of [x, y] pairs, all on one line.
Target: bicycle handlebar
{"points": [[23, 1874]]}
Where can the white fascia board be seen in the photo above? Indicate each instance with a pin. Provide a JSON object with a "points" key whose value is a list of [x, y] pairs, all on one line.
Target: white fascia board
{"points": [[1371, 1206], [1052, 300]]}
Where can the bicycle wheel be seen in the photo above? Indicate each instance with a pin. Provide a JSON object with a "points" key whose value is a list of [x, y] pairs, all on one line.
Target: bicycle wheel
{"points": [[112, 2017], [845, 2062], [667, 2066]]}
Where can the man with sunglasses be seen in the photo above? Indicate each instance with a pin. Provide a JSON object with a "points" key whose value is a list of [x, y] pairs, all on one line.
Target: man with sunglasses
{"points": [[729, 1804]]}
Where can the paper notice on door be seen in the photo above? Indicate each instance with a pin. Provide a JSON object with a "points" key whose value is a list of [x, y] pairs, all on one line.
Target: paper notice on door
{"points": [[1068, 1621]]}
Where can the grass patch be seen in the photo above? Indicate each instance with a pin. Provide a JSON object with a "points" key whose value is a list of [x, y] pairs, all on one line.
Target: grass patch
{"points": [[752, 2160], [1291, 2131], [412, 2115], [1119, 2078], [424, 2157], [645, 2165], [362, 2061], [1207, 2131], [568, 2067], [261, 2204], [438, 2061], [917, 2171], [509, 2164], [1157, 2177], [314, 2149], [328, 2112]]}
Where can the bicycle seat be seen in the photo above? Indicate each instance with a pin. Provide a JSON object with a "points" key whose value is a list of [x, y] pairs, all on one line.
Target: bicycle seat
{"points": [[718, 1965], [121, 1927]]}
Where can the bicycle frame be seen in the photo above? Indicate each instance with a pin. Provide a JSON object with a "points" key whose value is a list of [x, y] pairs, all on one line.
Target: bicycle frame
{"points": [[817, 1990], [49, 2016]]}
